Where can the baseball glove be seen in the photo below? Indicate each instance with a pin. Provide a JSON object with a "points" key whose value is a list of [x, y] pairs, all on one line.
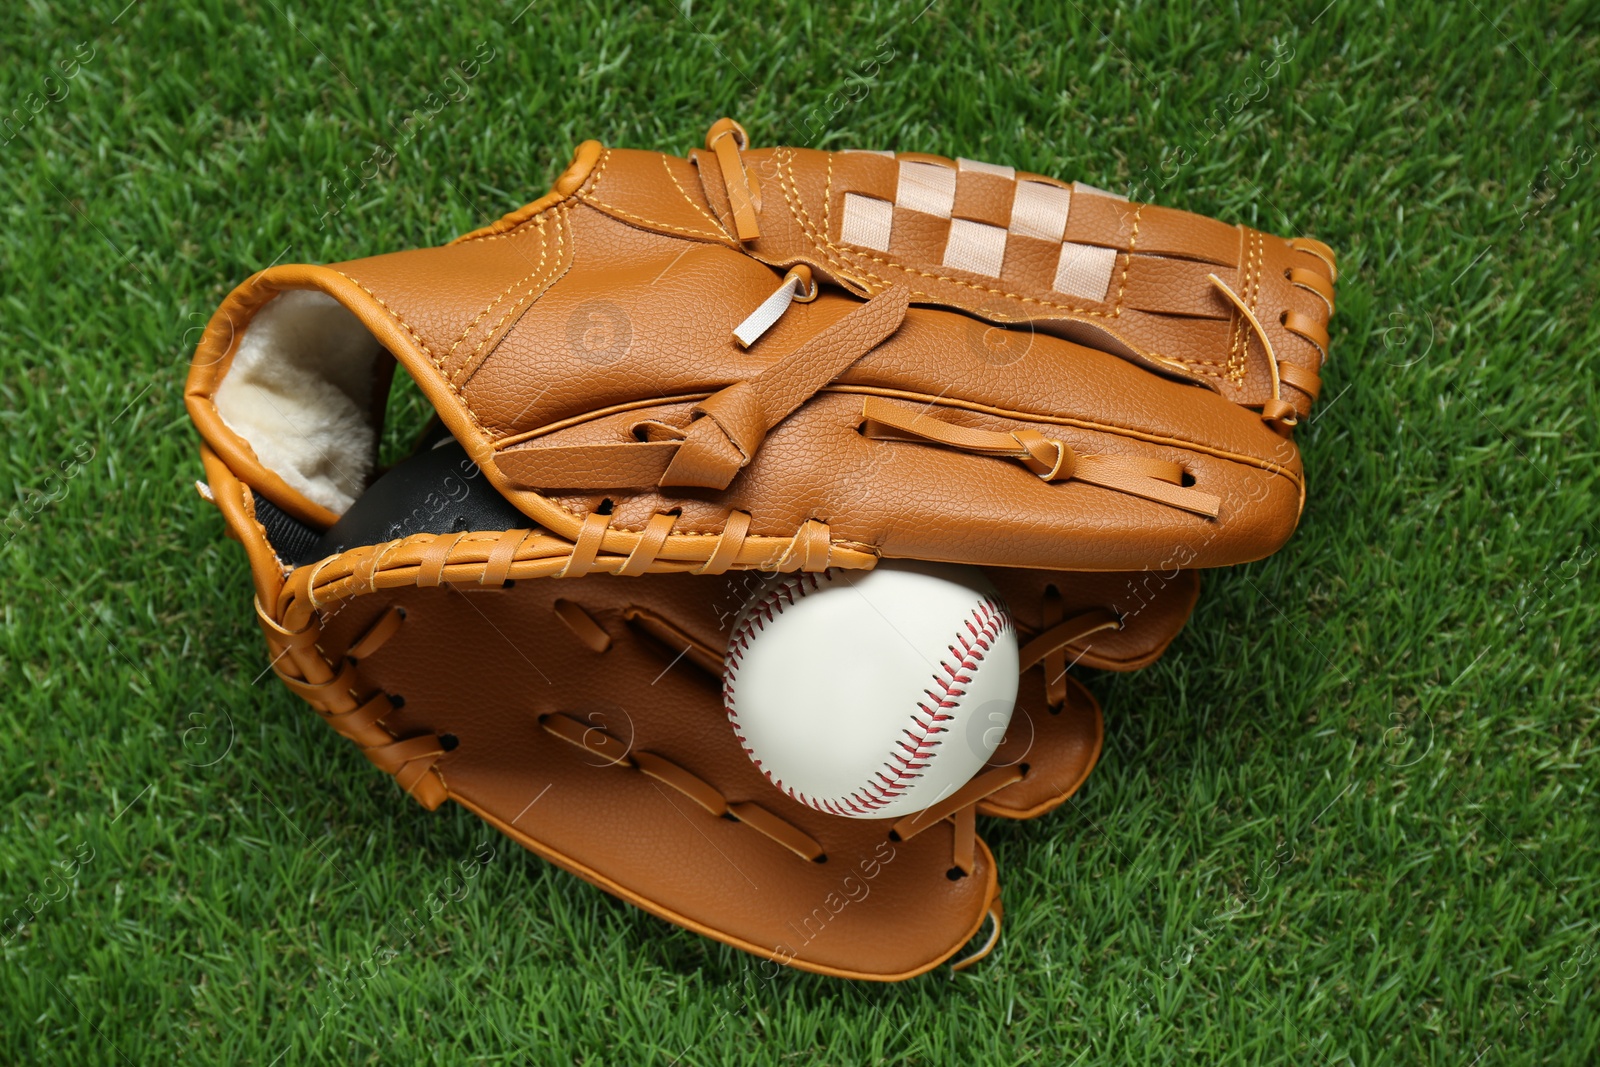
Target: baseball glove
{"points": [[670, 375]]}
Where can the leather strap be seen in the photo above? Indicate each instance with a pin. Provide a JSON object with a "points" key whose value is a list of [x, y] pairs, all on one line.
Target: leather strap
{"points": [[616, 754], [990, 780], [1309, 328], [726, 137], [1061, 635], [582, 625], [1050, 459], [728, 426], [1313, 282], [1302, 378], [1312, 246], [676, 638], [380, 631]]}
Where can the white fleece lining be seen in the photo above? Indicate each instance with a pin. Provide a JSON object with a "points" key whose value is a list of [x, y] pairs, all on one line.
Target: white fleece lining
{"points": [[299, 392]]}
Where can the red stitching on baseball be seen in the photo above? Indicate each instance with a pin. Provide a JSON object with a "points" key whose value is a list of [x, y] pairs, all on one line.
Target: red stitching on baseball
{"points": [[989, 619]]}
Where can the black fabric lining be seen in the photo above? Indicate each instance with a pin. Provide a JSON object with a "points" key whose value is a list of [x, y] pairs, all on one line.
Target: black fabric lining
{"points": [[293, 541]]}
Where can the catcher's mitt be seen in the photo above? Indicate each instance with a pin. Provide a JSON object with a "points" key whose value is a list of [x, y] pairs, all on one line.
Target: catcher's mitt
{"points": [[585, 721]]}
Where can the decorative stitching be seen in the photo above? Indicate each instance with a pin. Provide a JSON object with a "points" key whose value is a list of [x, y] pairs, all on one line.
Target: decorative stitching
{"points": [[516, 231], [827, 198], [911, 756], [524, 224], [1255, 297], [588, 197], [427, 351], [702, 211], [1238, 320], [544, 252]]}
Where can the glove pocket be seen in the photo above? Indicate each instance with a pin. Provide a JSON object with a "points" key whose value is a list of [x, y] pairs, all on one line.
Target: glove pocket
{"points": [[594, 744]]}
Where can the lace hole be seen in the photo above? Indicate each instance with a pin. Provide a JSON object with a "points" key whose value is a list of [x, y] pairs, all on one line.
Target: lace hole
{"points": [[449, 742], [955, 874]]}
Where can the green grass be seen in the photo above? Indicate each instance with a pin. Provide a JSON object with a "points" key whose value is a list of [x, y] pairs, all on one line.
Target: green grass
{"points": [[1351, 818]]}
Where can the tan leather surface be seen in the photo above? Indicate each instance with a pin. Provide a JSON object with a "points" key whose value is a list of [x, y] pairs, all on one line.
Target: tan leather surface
{"points": [[621, 830], [1160, 308]]}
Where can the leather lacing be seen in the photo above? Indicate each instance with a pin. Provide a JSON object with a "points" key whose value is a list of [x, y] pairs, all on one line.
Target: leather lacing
{"points": [[1278, 411], [959, 807], [727, 138], [334, 688]]}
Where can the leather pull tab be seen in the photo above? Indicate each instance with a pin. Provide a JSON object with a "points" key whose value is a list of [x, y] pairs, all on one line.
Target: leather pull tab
{"points": [[726, 137]]}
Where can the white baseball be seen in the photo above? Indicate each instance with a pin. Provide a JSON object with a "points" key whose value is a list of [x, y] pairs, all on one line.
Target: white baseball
{"points": [[872, 694]]}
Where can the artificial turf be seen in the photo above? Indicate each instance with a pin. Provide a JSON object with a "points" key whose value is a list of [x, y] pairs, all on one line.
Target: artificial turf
{"points": [[1350, 818]]}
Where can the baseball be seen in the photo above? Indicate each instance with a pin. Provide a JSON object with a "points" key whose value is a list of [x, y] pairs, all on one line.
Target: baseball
{"points": [[872, 694]]}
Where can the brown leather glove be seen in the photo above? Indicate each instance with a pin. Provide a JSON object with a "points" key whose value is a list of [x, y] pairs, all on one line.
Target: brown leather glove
{"points": [[666, 375], [584, 720]]}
